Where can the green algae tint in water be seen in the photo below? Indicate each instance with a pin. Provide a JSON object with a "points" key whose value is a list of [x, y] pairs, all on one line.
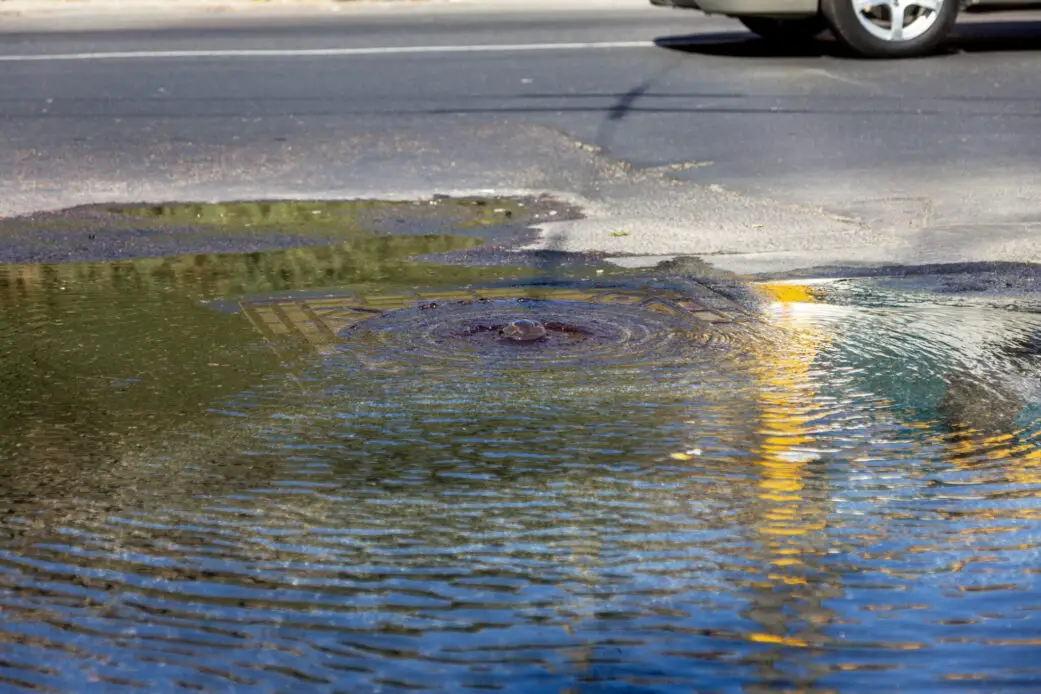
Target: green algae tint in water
{"points": [[804, 501], [374, 230], [328, 218]]}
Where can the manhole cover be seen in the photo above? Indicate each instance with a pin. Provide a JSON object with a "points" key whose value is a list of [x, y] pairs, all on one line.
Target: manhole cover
{"points": [[598, 323]]}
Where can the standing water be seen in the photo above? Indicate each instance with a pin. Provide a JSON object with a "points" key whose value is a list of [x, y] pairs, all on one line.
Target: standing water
{"points": [[302, 471]]}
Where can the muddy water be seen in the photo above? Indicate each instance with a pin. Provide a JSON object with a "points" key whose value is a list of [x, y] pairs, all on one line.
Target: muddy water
{"points": [[835, 490]]}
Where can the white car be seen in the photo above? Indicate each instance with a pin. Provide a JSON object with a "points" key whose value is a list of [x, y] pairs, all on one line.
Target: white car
{"points": [[872, 28]]}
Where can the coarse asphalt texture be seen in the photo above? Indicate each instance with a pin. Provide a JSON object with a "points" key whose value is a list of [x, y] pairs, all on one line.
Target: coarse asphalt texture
{"points": [[675, 133]]}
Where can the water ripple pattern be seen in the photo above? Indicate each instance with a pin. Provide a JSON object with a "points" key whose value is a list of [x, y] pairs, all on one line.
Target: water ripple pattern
{"points": [[468, 331], [848, 504]]}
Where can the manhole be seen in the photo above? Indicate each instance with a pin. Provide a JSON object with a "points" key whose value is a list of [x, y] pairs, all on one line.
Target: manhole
{"points": [[458, 325]]}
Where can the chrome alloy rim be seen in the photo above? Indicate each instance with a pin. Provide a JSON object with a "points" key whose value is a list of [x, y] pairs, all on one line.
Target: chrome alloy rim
{"points": [[897, 20]]}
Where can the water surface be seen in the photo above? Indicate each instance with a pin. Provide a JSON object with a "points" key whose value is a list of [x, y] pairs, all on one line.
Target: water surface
{"points": [[834, 492]]}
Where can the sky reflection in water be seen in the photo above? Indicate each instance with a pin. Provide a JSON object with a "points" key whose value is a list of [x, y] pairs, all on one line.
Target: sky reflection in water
{"points": [[840, 498]]}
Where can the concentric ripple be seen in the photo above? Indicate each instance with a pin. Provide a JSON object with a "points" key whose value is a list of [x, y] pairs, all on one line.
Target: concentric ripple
{"points": [[842, 496], [576, 331]]}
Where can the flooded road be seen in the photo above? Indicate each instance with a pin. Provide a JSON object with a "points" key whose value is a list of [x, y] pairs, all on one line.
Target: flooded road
{"points": [[315, 470]]}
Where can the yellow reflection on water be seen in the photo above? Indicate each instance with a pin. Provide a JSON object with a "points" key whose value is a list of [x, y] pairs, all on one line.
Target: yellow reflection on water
{"points": [[788, 512], [786, 410], [972, 448]]}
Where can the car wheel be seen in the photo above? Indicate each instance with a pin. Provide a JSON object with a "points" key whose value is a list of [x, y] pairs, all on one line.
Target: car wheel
{"points": [[891, 28], [785, 30]]}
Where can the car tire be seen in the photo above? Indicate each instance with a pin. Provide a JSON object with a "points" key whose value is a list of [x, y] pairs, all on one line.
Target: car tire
{"points": [[797, 29], [862, 27]]}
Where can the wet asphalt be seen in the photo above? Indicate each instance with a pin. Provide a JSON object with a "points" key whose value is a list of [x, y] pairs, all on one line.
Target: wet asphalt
{"points": [[98, 233], [704, 142]]}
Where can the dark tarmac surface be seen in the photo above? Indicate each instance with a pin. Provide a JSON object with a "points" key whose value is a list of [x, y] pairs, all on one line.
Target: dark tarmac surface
{"points": [[789, 160]]}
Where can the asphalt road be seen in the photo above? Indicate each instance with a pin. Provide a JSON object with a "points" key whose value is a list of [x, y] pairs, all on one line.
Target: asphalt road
{"points": [[679, 131]]}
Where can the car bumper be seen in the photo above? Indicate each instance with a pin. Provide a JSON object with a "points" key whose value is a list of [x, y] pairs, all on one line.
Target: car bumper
{"points": [[736, 8]]}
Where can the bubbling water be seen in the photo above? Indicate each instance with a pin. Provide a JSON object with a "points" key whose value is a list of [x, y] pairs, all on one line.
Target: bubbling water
{"points": [[571, 332], [525, 330]]}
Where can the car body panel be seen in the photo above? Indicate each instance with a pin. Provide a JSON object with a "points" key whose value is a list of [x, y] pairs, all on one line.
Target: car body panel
{"points": [[763, 8], [793, 8]]}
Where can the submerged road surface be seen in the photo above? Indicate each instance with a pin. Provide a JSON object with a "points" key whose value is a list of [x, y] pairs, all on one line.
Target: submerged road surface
{"points": [[321, 470], [784, 160]]}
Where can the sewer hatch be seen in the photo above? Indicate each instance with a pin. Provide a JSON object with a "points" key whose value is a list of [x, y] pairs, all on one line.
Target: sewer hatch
{"points": [[470, 318]]}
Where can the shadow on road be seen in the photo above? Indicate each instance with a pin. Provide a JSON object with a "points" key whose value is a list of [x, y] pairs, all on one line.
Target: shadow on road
{"points": [[742, 44], [970, 37]]}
